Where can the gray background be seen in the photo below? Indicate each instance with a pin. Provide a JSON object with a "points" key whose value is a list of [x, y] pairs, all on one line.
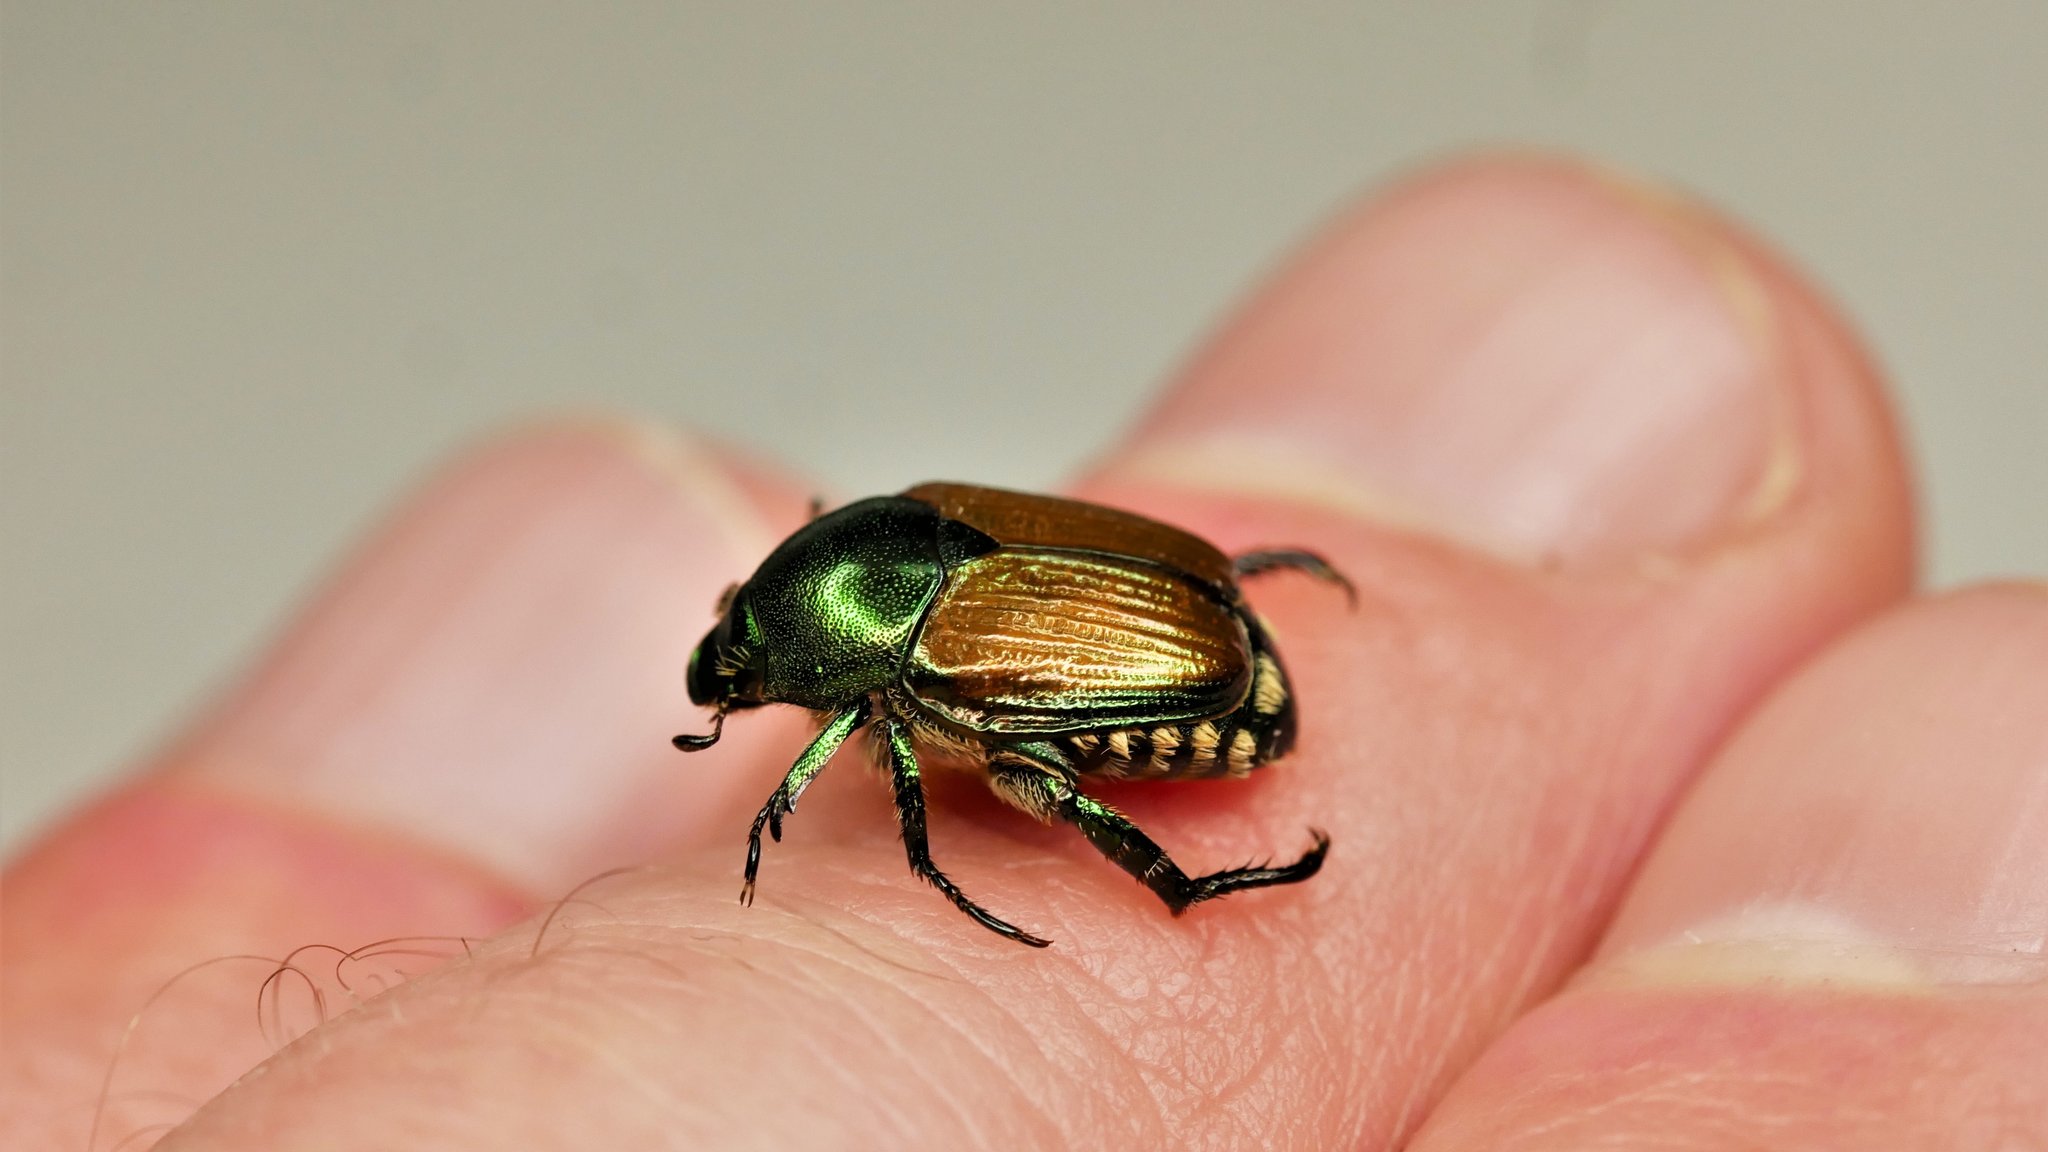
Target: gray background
{"points": [[264, 263]]}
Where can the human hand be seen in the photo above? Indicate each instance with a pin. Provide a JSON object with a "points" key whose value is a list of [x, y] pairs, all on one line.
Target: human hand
{"points": [[1604, 473]]}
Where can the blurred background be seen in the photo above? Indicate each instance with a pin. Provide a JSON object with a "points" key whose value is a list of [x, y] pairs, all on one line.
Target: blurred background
{"points": [[265, 263]]}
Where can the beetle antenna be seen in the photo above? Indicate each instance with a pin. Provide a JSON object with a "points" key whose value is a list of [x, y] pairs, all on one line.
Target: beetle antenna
{"points": [[690, 743]]}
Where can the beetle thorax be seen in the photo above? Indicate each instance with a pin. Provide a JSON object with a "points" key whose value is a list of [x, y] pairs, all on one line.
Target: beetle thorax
{"points": [[838, 604]]}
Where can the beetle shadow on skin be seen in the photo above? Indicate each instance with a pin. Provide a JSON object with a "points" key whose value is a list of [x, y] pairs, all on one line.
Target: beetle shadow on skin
{"points": [[852, 807], [1193, 818], [1176, 810]]}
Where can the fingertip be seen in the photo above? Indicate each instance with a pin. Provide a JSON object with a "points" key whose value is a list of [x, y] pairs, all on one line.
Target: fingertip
{"points": [[500, 670], [1881, 818], [1537, 359], [1836, 942], [474, 712]]}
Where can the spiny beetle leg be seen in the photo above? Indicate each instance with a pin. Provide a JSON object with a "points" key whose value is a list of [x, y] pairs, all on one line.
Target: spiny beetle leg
{"points": [[1273, 559], [1130, 849], [801, 773], [910, 815], [754, 846]]}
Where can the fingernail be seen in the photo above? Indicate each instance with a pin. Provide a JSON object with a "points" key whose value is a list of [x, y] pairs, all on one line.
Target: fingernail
{"points": [[499, 672], [1883, 820], [1521, 354]]}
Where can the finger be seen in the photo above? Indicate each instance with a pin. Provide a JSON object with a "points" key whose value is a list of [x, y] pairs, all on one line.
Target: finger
{"points": [[1543, 652], [1839, 942], [1587, 373], [501, 674], [475, 714]]}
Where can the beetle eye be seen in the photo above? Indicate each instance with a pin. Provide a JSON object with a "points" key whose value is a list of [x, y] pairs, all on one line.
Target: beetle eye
{"points": [[725, 599]]}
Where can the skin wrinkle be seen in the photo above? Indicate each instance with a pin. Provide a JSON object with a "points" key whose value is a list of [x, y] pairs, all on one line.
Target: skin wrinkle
{"points": [[1586, 853], [1234, 1082], [1952, 1070], [797, 917], [1456, 922], [1416, 970], [1669, 1091], [1165, 1075], [1329, 1043], [1410, 1002], [972, 1037], [573, 952], [871, 1023], [1412, 968], [548, 1030], [908, 1058], [1049, 1061], [1169, 1073], [1147, 1070], [853, 1079], [1582, 851], [1317, 1035], [849, 1077], [1229, 1103], [1137, 1125], [625, 1071], [871, 976], [1579, 844], [1427, 1082]]}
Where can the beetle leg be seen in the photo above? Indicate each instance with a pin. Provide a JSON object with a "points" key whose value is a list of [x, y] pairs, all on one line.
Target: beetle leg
{"points": [[801, 773], [1031, 774], [1272, 559], [910, 815]]}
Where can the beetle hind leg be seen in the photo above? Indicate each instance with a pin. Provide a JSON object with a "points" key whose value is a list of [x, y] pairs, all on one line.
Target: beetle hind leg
{"points": [[1027, 781], [910, 814], [1274, 559], [1264, 876]]}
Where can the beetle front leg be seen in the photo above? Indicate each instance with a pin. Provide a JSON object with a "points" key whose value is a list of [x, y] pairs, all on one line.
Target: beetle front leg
{"points": [[910, 815], [783, 800], [1030, 782]]}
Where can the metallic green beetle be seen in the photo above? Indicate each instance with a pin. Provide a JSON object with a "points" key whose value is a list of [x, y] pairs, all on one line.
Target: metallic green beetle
{"points": [[1037, 639]]}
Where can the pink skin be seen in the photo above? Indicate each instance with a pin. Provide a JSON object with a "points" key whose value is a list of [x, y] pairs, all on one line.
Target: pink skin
{"points": [[1604, 473], [1838, 941]]}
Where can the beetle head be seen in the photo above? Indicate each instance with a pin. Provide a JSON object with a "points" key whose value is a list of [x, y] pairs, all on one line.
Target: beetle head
{"points": [[726, 666]]}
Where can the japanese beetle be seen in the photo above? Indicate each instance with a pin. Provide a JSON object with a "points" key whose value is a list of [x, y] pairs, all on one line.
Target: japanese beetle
{"points": [[1035, 639]]}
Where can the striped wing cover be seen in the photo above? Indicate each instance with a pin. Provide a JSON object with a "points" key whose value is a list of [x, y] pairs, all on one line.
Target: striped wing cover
{"points": [[1032, 641]]}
